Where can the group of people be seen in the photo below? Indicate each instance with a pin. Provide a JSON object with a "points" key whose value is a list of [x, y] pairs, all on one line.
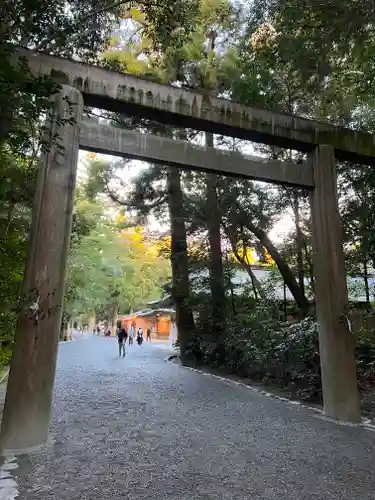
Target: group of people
{"points": [[123, 335]]}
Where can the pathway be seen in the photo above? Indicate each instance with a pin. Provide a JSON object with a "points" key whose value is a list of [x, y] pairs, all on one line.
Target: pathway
{"points": [[141, 428]]}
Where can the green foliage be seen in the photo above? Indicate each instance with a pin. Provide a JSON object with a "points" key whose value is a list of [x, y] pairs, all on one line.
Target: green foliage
{"points": [[17, 185], [168, 22], [109, 270], [83, 27], [298, 358], [356, 187], [80, 30], [24, 101], [298, 50], [282, 356], [85, 217]]}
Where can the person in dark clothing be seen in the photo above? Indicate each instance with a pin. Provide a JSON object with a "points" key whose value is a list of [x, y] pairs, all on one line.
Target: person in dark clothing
{"points": [[140, 336], [122, 335], [148, 334]]}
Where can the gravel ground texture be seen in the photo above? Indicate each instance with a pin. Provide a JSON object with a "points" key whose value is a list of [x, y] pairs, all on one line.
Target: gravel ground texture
{"points": [[141, 428]]}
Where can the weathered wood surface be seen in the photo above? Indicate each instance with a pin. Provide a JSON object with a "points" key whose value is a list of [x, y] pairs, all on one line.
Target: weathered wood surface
{"points": [[338, 366], [28, 402], [135, 96], [115, 141]]}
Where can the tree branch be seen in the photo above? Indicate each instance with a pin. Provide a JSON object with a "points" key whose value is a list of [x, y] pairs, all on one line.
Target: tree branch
{"points": [[146, 207], [283, 267], [257, 287], [114, 5]]}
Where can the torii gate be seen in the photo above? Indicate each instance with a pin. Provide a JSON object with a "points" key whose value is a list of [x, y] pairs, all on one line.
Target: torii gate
{"points": [[27, 408]]}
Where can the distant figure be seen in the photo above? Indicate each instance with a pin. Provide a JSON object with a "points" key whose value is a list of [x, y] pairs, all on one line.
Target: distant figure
{"points": [[98, 330], [122, 335], [140, 336], [131, 334], [108, 333], [173, 335], [148, 335]]}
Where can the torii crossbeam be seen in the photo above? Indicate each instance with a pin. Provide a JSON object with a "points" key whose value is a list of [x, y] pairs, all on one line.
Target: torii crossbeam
{"points": [[128, 94], [162, 150]]}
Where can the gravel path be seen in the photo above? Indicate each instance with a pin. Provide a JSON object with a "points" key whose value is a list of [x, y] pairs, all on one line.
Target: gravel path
{"points": [[140, 428]]}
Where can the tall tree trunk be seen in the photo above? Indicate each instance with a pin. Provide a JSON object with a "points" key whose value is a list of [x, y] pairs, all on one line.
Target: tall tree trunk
{"points": [[233, 302], [283, 267], [228, 279], [257, 287], [179, 261], [365, 279], [310, 265], [218, 298], [9, 219], [114, 319], [253, 280], [365, 254], [6, 121], [299, 242]]}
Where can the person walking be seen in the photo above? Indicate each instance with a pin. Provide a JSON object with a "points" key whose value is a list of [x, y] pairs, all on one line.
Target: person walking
{"points": [[140, 336], [148, 335], [131, 335], [121, 336]]}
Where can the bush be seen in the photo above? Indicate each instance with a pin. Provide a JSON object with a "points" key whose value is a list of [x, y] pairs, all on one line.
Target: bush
{"points": [[7, 328], [298, 355], [282, 355]]}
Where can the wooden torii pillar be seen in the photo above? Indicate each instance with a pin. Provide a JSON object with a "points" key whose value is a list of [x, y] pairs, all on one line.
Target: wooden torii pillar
{"points": [[338, 364], [28, 403]]}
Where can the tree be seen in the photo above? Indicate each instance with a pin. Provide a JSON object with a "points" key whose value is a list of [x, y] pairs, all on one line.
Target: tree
{"points": [[297, 60], [179, 260], [325, 47], [110, 269], [78, 30], [154, 190], [208, 62], [17, 184], [357, 209], [246, 207], [203, 63]]}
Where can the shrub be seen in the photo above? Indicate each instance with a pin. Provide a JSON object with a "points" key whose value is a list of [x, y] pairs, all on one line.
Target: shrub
{"points": [[298, 354], [283, 355], [7, 328]]}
